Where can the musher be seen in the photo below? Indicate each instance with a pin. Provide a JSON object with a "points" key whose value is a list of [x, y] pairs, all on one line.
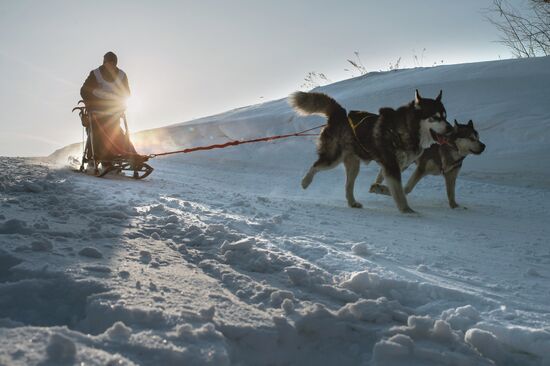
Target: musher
{"points": [[104, 93]]}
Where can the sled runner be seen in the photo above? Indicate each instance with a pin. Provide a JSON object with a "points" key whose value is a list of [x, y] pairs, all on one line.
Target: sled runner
{"points": [[108, 148]]}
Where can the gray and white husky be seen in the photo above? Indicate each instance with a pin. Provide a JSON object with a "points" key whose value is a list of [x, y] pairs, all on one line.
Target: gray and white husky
{"points": [[443, 160], [394, 138]]}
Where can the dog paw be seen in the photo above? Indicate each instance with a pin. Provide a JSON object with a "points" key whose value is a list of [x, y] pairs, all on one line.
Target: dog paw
{"points": [[355, 205], [454, 205], [379, 189], [459, 206], [408, 210], [306, 182]]}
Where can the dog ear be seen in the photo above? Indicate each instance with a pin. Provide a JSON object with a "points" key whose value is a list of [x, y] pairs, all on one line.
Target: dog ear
{"points": [[417, 97], [470, 123], [438, 98]]}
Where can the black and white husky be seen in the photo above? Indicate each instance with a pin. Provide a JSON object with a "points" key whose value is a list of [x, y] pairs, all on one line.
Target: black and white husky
{"points": [[443, 160], [394, 138]]}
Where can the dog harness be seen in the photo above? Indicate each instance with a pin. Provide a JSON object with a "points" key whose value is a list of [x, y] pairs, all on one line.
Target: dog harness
{"points": [[457, 164], [354, 127]]}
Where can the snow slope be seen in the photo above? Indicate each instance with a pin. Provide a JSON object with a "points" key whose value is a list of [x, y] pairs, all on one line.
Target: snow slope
{"points": [[220, 258]]}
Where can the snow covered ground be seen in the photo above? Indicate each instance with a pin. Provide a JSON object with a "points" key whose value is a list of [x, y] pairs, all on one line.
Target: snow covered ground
{"points": [[220, 258]]}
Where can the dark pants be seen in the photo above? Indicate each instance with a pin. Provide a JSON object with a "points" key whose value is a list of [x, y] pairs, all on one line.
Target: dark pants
{"points": [[109, 140]]}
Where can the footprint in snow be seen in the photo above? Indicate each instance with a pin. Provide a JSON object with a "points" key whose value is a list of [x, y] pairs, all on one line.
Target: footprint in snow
{"points": [[42, 245], [145, 256], [90, 253]]}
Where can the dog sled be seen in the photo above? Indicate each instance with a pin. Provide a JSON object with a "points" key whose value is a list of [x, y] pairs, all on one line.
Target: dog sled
{"points": [[122, 155], [109, 151]]}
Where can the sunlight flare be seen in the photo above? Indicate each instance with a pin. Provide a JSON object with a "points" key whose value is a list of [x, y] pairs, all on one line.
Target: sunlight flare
{"points": [[133, 104]]}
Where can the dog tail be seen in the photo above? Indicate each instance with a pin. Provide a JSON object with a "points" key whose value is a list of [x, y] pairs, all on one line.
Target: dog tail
{"points": [[315, 103]]}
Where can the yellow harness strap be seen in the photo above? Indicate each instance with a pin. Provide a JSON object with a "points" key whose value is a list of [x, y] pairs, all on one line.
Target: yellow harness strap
{"points": [[354, 127]]}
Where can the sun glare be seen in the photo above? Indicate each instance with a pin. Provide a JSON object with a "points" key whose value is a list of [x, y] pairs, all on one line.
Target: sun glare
{"points": [[133, 104]]}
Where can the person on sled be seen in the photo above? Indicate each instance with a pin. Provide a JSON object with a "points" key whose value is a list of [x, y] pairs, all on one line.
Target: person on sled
{"points": [[104, 93]]}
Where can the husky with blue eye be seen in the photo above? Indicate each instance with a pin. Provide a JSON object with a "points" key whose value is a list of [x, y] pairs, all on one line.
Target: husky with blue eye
{"points": [[443, 160], [394, 138]]}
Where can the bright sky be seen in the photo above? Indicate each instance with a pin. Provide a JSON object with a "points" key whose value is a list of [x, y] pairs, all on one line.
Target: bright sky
{"points": [[187, 59]]}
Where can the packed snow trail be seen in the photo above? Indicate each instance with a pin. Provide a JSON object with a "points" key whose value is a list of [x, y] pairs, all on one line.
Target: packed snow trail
{"points": [[180, 268]]}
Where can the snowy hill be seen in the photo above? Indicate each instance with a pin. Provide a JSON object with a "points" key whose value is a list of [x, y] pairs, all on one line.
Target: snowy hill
{"points": [[220, 258], [507, 100]]}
